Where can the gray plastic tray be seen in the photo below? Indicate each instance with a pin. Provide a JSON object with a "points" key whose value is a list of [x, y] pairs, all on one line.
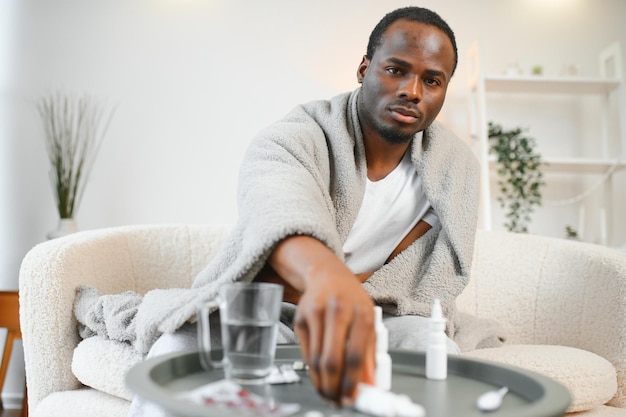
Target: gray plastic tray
{"points": [[530, 394]]}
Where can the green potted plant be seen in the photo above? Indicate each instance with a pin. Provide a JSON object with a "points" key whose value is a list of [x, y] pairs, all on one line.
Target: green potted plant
{"points": [[520, 177], [73, 128], [571, 233]]}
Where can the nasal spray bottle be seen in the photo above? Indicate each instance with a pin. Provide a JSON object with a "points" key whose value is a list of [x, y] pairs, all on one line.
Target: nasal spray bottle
{"points": [[382, 375], [377, 400], [437, 352]]}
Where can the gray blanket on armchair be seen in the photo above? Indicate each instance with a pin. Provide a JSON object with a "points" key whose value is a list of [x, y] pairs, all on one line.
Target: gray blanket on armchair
{"points": [[312, 165]]}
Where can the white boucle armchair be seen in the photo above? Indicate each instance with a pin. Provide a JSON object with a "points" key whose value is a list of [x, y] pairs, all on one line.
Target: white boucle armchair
{"points": [[563, 304]]}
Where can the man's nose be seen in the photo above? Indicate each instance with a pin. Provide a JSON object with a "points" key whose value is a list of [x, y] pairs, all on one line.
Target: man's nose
{"points": [[411, 89]]}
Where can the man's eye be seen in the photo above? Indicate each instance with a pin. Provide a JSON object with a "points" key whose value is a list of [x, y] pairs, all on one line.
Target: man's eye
{"points": [[431, 81], [393, 70]]}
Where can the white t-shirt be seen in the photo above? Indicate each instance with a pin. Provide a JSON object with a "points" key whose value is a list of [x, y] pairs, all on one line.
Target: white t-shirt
{"points": [[391, 207]]}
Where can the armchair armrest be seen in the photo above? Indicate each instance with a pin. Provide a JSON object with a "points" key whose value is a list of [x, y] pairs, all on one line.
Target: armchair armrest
{"points": [[137, 258], [552, 291]]}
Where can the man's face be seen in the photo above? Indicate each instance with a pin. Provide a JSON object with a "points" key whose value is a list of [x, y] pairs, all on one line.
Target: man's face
{"points": [[405, 82]]}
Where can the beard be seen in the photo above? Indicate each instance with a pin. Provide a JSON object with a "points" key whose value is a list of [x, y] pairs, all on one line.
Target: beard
{"points": [[391, 135]]}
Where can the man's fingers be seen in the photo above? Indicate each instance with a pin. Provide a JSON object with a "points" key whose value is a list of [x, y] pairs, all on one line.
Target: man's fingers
{"points": [[360, 351], [337, 322], [308, 325]]}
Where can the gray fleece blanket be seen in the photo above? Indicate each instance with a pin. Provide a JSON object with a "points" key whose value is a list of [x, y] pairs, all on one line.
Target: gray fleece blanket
{"points": [[306, 175]]}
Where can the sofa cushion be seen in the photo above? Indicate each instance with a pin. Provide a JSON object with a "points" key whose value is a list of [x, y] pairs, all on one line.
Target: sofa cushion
{"points": [[81, 403], [102, 364], [591, 379]]}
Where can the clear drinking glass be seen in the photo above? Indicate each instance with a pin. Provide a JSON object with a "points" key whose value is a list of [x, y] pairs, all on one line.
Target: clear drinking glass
{"points": [[249, 314]]}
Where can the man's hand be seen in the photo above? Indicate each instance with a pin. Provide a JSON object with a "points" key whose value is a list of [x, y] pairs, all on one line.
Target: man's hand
{"points": [[334, 319], [335, 324]]}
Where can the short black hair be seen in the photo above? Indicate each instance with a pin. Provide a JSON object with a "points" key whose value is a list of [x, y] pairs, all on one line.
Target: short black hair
{"points": [[416, 14]]}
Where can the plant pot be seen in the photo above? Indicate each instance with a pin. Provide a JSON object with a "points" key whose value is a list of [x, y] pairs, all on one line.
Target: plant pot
{"points": [[65, 227]]}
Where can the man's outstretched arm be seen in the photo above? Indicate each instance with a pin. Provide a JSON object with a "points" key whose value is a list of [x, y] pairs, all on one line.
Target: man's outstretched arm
{"points": [[334, 319]]}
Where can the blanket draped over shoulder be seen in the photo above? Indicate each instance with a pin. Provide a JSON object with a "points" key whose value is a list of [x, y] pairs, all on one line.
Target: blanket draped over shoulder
{"points": [[305, 175]]}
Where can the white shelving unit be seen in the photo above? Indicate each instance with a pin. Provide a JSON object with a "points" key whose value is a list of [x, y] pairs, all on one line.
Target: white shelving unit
{"points": [[609, 87]]}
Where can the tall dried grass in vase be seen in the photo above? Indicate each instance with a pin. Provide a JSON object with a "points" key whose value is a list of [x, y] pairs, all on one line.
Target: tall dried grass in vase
{"points": [[74, 128]]}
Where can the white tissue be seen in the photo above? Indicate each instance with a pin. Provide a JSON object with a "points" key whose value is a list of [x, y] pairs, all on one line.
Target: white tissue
{"points": [[381, 403]]}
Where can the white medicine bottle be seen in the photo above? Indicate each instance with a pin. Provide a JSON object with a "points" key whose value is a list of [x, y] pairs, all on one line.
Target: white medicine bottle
{"points": [[437, 351], [382, 375]]}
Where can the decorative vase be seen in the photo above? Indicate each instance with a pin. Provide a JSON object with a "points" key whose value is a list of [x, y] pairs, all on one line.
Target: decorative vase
{"points": [[65, 227]]}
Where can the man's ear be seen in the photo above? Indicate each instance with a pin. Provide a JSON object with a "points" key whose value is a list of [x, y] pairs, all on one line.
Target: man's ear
{"points": [[363, 66]]}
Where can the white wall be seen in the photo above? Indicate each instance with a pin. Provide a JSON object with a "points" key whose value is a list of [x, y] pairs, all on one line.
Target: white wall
{"points": [[193, 80]]}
